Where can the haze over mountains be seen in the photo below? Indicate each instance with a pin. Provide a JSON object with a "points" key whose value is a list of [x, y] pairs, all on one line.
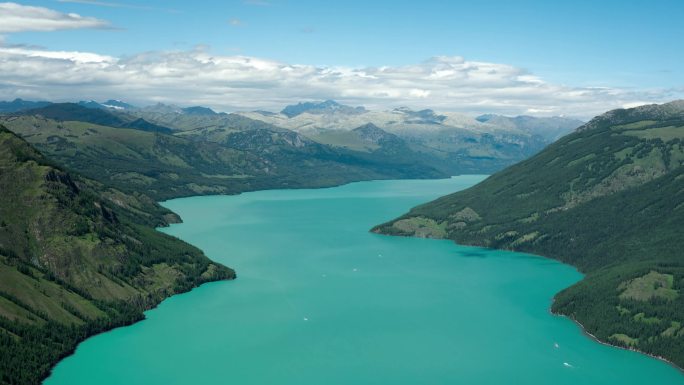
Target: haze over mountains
{"points": [[200, 154], [330, 115], [448, 143]]}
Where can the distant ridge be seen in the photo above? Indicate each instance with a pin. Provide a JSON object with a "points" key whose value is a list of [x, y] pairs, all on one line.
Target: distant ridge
{"points": [[199, 110], [448, 143], [81, 113], [550, 128], [327, 106], [20, 105]]}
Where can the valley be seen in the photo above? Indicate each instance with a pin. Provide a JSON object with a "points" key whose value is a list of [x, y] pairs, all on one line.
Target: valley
{"points": [[321, 299], [133, 157], [172, 152], [269, 192]]}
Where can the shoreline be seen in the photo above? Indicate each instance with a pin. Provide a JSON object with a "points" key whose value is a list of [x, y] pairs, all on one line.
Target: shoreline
{"points": [[378, 230], [582, 328], [305, 187], [605, 343], [142, 318], [322, 187]]}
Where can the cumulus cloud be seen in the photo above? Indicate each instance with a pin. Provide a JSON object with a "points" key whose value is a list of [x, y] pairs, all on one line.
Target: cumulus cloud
{"points": [[95, 2], [229, 83], [72, 56], [19, 18], [119, 5]]}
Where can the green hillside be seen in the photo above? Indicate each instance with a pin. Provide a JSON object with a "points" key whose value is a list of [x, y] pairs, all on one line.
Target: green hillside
{"points": [[78, 258], [171, 152], [207, 160], [193, 118], [65, 112], [608, 199]]}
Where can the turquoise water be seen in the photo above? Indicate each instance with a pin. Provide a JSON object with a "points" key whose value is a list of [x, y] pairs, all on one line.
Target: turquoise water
{"points": [[320, 300]]}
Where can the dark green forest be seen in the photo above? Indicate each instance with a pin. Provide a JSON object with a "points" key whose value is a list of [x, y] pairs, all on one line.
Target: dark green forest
{"points": [[78, 258], [608, 199]]}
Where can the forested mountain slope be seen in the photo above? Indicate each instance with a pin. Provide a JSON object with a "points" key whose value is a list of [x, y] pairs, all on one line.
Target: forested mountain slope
{"points": [[77, 258], [609, 199], [170, 151], [210, 160]]}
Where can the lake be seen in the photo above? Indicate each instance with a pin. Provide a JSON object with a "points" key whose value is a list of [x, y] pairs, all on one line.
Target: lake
{"points": [[320, 300]]}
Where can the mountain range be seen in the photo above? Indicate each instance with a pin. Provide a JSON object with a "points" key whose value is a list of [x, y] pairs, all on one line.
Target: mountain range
{"points": [[20, 105], [465, 144], [81, 181], [171, 151], [461, 143], [608, 199], [330, 115]]}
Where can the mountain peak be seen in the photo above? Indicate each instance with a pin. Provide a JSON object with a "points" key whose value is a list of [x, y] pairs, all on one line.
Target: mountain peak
{"points": [[371, 133], [81, 111], [110, 104], [666, 111], [402, 109], [328, 106], [163, 108], [198, 110], [118, 105], [21, 151], [425, 116], [486, 117], [549, 128], [368, 127], [19, 104]]}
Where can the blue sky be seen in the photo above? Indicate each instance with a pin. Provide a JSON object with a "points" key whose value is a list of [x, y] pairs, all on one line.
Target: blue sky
{"points": [[626, 45]]}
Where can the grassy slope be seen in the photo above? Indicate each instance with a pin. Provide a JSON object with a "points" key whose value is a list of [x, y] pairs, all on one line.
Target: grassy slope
{"points": [[343, 138], [469, 152], [608, 199], [452, 151], [204, 161], [457, 151], [77, 258], [76, 112]]}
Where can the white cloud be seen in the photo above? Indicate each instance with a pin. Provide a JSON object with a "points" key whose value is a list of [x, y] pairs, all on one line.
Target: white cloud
{"points": [[19, 18], [635, 104], [118, 5], [73, 56], [94, 2], [228, 83], [235, 22]]}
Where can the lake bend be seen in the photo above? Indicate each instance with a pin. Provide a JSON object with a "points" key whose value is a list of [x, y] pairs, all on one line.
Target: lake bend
{"points": [[321, 300]]}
